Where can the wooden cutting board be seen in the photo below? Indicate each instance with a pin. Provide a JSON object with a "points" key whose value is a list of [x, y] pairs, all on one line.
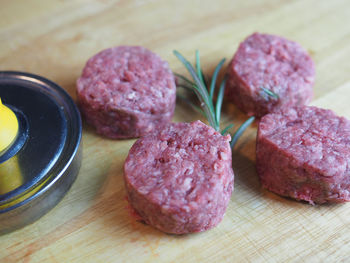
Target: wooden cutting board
{"points": [[91, 224]]}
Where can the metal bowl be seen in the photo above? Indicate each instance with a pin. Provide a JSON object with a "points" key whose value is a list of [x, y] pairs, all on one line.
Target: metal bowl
{"points": [[43, 162]]}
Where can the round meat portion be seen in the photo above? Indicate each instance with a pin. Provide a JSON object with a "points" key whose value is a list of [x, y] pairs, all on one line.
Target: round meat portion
{"points": [[180, 179], [126, 92], [275, 64], [304, 153]]}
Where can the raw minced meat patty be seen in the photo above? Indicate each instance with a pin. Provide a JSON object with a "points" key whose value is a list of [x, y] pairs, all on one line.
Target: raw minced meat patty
{"points": [[304, 153], [274, 63], [180, 179], [126, 92]]}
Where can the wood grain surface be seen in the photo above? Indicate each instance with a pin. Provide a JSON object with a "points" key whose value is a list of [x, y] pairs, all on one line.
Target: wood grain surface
{"points": [[91, 224]]}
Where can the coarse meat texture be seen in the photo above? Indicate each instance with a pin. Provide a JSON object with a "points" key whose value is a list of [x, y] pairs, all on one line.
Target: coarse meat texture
{"points": [[180, 179], [304, 153], [273, 63], [126, 92]]}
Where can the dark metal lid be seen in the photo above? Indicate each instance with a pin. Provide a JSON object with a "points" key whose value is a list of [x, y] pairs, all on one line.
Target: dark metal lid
{"points": [[49, 137]]}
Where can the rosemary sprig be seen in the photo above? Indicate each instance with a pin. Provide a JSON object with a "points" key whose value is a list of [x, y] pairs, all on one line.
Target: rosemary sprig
{"points": [[198, 85], [201, 92]]}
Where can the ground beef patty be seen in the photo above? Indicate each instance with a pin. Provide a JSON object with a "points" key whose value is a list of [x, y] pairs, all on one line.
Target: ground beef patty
{"points": [[304, 153], [180, 179], [126, 92], [274, 63]]}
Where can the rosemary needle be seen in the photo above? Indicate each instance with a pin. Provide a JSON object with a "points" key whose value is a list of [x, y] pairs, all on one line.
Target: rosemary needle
{"points": [[240, 131], [215, 75], [269, 93], [184, 78], [219, 101], [198, 66], [225, 130]]}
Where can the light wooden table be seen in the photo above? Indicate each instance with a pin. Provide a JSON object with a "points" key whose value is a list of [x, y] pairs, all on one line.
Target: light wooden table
{"points": [[55, 38]]}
